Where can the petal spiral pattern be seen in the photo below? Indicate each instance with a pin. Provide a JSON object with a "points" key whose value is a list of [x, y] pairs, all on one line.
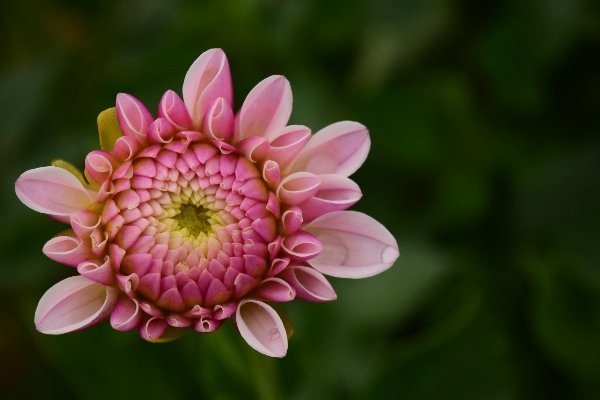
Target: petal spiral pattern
{"points": [[201, 215]]}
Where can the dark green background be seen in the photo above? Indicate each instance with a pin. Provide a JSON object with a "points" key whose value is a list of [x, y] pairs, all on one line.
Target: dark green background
{"points": [[485, 165]]}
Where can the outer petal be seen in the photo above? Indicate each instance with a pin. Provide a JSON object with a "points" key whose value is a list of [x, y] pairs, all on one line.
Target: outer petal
{"points": [[298, 187], [266, 109], [335, 193], [173, 109], [53, 191], [218, 122], [354, 245], [134, 117], [207, 79], [340, 148], [260, 325], [276, 289], [68, 250], [73, 304], [126, 314], [309, 284], [287, 143]]}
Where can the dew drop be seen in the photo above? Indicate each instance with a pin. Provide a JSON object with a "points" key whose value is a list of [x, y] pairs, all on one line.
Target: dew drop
{"points": [[389, 254], [274, 334]]}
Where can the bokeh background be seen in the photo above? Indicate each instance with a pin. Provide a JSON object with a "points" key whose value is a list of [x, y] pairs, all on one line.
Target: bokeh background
{"points": [[485, 165]]}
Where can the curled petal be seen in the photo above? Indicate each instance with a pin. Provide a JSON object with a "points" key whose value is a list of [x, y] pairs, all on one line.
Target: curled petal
{"points": [[207, 324], [172, 108], [126, 315], [262, 328], [302, 246], [218, 122], [161, 131], [53, 191], [178, 321], [207, 79], [273, 205], [84, 222], [336, 193], [276, 289], [291, 220], [126, 147], [67, 250], [157, 330], [134, 117], [99, 165], [298, 187], [98, 272], [223, 311], [287, 143], [129, 283], [72, 304], [254, 148], [340, 149], [266, 109], [278, 265], [355, 245], [310, 285], [271, 173]]}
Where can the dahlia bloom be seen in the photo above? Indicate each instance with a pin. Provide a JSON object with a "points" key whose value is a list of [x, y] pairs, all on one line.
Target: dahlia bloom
{"points": [[183, 221]]}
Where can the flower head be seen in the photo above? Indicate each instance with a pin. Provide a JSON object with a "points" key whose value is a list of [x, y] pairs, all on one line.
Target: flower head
{"points": [[199, 215]]}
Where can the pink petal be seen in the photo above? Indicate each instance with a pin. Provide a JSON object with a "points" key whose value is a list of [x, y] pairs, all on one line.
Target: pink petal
{"points": [[310, 285], [53, 191], [254, 148], [161, 131], [153, 329], [287, 143], [218, 122], [207, 79], [298, 187], [224, 311], [266, 109], [126, 147], [206, 324], [276, 289], [97, 271], [126, 314], [271, 173], [67, 250], [99, 165], [354, 245], [340, 149], [278, 265], [134, 118], [302, 246], [73, 304], [172, 108], [260, 325], [84, 222], [291, 220], [336, 193]]}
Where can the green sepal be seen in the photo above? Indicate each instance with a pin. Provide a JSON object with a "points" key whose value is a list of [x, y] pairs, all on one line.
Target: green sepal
{"points": [[108, 129], [57, 162]]}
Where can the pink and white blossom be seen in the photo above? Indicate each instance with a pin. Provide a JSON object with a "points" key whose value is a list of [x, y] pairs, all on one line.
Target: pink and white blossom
{"points": [[202, 214]]}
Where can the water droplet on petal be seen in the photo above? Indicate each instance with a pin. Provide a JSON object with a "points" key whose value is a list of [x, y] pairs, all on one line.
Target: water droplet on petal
{"points": [[389, 254], [274, 334]]}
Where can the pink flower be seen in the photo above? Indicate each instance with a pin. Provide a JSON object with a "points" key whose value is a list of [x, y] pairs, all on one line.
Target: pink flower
{"points": [[200, 215]]}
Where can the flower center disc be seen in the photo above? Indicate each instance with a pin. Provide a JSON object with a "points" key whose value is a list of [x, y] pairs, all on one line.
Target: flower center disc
{"points": [[195, 220], [192, 229]]}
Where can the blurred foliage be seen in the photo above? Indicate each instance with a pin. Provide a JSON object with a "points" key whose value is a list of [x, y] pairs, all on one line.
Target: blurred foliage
{"points": [[485, 165]]}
